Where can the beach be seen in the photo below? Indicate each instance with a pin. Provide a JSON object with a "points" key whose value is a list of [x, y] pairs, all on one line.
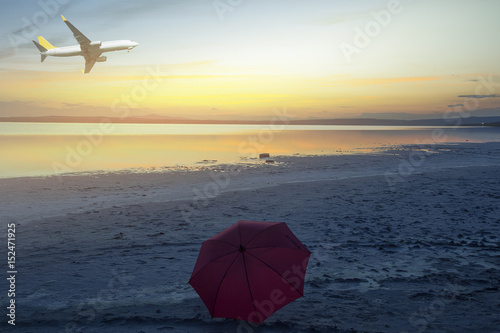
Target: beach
{"points": [[234, 166], [402, 240]]}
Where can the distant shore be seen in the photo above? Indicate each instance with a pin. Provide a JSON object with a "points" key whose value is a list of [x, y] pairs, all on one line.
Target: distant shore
{"points": [[155, 119]]}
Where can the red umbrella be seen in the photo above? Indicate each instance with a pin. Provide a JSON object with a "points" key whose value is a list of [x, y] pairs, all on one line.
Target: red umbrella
{"points": [[250, 270]]}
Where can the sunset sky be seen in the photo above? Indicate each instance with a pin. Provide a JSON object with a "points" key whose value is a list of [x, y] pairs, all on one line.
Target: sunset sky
{"points": [[209, 59]]}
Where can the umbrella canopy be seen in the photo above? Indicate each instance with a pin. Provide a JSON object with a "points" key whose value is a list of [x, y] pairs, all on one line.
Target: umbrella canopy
{"points": [[250, 270]]}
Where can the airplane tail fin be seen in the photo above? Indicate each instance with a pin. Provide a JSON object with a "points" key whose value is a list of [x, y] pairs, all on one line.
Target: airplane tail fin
{"points": [[42, 41], [41, 49]]}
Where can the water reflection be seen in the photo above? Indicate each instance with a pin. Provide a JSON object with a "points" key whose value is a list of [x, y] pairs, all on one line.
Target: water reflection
{"points": [[24, 155]]}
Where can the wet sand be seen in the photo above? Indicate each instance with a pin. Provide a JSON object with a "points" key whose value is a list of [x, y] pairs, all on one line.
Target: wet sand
{"points": [[396, 247]]}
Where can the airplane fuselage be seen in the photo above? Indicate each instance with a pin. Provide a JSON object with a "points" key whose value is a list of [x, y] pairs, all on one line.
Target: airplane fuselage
{"points": [[76, 50], [90, 50]]}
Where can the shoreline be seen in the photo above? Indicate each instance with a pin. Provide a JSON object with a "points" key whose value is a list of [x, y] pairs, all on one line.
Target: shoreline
{"points": [[86, 149], [29, 198]]}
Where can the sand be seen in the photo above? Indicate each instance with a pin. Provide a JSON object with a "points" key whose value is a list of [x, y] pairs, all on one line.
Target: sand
{"points": [[406, 240]]}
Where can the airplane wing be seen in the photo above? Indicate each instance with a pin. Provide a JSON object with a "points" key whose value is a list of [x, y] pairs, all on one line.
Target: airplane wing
{"points": [[81, 38], [89, 63]]}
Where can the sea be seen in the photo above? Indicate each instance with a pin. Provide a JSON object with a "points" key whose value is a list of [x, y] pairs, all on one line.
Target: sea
{"points": [[44, 149]]}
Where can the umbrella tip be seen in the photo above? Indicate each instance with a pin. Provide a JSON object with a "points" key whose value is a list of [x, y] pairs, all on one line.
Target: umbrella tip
{"points": [[242, 249]]}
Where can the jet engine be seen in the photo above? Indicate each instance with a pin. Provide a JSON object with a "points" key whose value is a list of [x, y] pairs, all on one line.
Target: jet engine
{"points": [[96, 43], [102, 59]]}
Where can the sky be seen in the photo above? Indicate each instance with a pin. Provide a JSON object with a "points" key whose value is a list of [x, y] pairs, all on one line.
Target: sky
{"points": [[242, 59]]}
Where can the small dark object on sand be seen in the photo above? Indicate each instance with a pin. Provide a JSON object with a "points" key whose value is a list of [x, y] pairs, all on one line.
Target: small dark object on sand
{"points": [[264, 155]]}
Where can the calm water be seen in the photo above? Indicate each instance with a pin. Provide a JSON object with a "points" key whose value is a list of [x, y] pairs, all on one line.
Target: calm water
{"points": [[32, 149]]}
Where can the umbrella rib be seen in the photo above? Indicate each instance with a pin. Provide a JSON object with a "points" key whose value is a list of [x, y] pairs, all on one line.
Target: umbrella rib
{"points": [[221, 241], [220, 284], [211, 261], [246, 272], [273, 247], [266, 229], [276, 273], [248, 283]]}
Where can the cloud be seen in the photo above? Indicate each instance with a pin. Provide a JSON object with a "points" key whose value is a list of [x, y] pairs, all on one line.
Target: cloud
{"points": [[480, 96], [400, 115], [36, 109], [7, 52], [73, 105], [387, 81], [195, 64], [455, 105]]}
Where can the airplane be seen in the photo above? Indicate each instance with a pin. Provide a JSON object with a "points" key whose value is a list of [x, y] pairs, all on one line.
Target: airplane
{"points": [[91, 51]]}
